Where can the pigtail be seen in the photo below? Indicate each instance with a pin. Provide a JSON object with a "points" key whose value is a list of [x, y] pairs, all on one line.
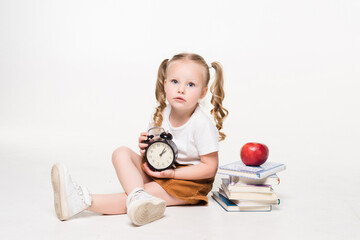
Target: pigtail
{"points": [[160, 93], [218, 95]]}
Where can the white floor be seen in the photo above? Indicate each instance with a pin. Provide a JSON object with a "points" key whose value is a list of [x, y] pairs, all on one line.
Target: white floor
{"points": [[320, 204]]}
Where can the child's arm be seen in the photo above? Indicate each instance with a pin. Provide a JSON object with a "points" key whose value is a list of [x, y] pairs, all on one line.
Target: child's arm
{"points": [[207, 168]]}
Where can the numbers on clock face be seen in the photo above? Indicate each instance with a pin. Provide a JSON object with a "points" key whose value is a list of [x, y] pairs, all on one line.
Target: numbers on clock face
{"points": [[160, 155]]}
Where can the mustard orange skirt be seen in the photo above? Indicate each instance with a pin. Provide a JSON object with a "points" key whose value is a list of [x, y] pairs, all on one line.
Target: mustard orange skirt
{"points": [[190, 191]]}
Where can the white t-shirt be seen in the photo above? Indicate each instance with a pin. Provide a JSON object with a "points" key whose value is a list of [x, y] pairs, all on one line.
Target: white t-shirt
{"points": [[198, 136]]}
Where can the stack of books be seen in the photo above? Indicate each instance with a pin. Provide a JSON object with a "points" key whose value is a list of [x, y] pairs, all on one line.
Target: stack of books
{"points": [[248, 189]]}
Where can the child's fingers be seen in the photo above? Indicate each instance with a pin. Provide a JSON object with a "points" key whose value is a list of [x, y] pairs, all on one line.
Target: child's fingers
{"points": [[167, 173], [163, 174], [143, 136], [143, 145], [147, 169]]}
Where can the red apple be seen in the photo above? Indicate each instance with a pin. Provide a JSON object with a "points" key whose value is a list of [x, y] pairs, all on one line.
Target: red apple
{"points": [[254, 154]]}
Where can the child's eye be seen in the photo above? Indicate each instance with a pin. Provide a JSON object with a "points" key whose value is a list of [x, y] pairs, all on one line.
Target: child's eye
{"points": [[174, 81], [191, 84]]}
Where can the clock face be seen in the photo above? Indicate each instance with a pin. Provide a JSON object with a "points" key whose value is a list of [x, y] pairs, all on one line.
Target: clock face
{"points": [[160, 155]]}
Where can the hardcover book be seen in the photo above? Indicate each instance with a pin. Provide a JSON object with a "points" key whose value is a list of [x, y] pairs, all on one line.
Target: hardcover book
{"points": [[250, 202], [270, 180], [240, 169], [242, 187], [249, 195], [230, 206]]}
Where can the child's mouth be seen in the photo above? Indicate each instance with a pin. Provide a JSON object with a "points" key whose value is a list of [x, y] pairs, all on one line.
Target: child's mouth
{"points": [[179, 99]]}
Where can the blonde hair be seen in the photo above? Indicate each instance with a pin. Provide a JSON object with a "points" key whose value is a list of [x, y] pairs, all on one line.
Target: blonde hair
{"points": [[218, 112]]}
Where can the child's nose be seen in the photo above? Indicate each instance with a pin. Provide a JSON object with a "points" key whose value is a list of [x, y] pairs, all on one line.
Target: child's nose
{"points": [[181, 89]]}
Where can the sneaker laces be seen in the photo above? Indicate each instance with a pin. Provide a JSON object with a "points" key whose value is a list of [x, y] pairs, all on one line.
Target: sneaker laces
{"points": [[83, 193], [79, 190], [140, 194], [137, 195]]}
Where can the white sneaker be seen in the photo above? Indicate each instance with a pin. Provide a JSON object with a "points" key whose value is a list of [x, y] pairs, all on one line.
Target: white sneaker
{"points": [[69, 198], [143, 208]]}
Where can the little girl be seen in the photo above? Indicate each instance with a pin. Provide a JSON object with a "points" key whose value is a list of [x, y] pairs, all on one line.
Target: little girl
{"points": [[182, 81]]}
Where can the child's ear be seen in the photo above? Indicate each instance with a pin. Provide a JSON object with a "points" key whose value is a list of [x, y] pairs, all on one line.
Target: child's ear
{"points": [[203, 94]]}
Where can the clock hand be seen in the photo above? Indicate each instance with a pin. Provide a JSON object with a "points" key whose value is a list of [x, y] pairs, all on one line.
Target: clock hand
{"points": [[163, 151]]}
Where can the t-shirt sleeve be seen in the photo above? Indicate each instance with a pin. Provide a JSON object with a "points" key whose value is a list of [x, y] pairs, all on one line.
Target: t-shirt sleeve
{"points": [[206, 136]]}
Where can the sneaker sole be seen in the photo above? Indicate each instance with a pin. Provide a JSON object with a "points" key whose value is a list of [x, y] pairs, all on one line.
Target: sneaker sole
{"points": [[60, 203], [147, 212]]}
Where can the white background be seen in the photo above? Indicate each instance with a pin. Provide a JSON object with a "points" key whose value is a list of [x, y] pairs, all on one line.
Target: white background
{"points": [[77, 80]]}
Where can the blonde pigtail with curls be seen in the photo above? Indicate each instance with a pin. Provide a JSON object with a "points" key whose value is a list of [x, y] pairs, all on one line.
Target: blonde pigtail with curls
{"points": [[160, 93], [217, 90]]}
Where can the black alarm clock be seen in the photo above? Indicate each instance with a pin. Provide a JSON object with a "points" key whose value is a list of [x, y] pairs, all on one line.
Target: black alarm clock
{"points": [[161, 152]]}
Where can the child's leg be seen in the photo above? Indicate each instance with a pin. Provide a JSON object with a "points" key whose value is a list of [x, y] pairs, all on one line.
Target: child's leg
{"points": [[127, 165], [109, 203], [128, 168], [116, 203]]}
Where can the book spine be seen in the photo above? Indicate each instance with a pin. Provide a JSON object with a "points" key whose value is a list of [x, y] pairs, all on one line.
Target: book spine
{"points": [[237, 174], [270, 180], [270, 172]]}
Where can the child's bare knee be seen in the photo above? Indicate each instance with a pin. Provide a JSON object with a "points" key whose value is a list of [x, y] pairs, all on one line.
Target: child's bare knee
{"points": [[120, 153]]}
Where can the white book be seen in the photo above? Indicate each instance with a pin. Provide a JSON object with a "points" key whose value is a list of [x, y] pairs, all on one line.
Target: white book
{"points": [[230, 206], [250, 203], [255, 196], [240, 169], [270, 180], [243, 187]]}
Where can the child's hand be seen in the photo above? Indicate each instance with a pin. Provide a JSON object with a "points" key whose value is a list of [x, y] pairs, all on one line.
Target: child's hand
{"points": [[142, 146], [168, 173]]}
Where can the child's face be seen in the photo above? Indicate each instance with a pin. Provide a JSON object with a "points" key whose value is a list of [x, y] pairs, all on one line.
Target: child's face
{"points": [[184, 84]]}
